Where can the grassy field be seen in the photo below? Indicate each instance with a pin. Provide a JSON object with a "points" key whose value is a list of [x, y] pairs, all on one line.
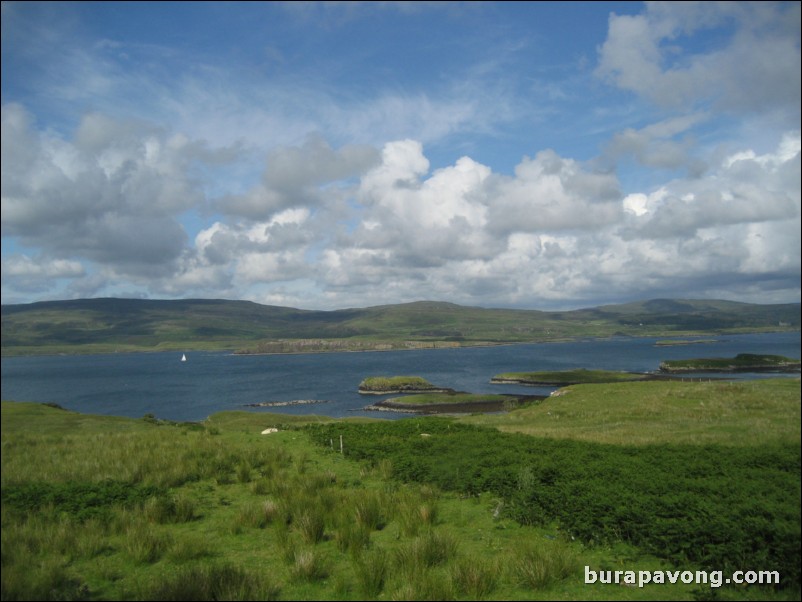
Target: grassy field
{"points": [[115, 508], [642, 413]]}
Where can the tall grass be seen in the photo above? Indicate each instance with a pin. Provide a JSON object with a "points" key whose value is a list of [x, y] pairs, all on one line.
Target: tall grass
{"points": [[430, 585], [308, 565], [149, 457], [371, 572], [416, 510], [350, 537], [46, 579], [542, 564], [145, 543], [475, 577], [311, 525], [212, 582], [433, 548], [369, 510]]}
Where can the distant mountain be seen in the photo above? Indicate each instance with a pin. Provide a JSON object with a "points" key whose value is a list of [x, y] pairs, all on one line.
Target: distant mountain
{"points": [[103, 325]]}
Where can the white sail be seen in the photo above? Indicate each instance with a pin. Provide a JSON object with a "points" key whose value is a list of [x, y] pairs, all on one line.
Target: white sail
{"points": [[183, 357]]}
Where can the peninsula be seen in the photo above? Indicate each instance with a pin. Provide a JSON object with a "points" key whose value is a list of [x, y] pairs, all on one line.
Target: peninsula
{"points": [[563, 378], [743, 362]]}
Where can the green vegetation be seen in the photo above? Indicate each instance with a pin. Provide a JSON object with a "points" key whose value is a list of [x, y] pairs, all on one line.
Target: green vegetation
{"points": [[673, 342], [567, 377], [117, 325], [663, 412], [218, 511], [451, 403], [743, 362], [396, 384], [423, 508], [447, 398], [709, 506]]}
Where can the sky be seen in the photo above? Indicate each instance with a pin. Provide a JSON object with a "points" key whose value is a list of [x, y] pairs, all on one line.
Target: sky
{"points": [[326, 155]]}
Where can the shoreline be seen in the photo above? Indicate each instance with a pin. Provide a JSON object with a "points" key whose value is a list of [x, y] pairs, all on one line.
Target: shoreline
{"points": [[642, 376], [455, 408], [281, 404], [406, 391]]}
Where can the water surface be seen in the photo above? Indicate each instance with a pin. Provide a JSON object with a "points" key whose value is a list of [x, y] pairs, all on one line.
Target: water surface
{"points": [[135, 384]]}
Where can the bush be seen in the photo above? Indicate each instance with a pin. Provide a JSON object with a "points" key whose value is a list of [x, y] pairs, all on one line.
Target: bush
{"points": [[713, 505]]}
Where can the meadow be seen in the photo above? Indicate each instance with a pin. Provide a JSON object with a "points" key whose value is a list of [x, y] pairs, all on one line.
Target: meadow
{"points": [[513, 506]]}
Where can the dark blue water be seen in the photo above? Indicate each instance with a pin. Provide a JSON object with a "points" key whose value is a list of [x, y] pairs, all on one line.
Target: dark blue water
{"points": [[136, 384]]}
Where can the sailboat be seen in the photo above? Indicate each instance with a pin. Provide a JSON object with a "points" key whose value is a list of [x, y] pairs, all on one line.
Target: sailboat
{"points": [[183, 357]]}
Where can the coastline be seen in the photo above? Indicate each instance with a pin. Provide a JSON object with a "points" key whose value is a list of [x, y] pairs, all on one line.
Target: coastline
{"points": [[454, 408], [281, 404]]}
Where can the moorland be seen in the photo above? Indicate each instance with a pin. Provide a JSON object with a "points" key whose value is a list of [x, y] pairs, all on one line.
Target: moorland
{"points": [[652, 475]]}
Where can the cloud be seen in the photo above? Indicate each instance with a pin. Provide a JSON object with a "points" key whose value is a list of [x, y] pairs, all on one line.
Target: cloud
{"points": [[557, 231], [551, 193], [424, 220], [745, 189], [655, 145], [111, 194], [294, 176], [357, 224], [752, 65]]}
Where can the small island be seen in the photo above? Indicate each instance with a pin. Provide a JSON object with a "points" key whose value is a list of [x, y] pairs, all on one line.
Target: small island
{"points": [[453, 403], [563, 378], [677, 342], [384, 385], [281, 404], [743, 362]]}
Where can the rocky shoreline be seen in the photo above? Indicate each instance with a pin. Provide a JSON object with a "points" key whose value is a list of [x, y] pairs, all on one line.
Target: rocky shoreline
{"points": [[453, 408], [779, 369], [565, 383], [281, 404], [405, 391]]}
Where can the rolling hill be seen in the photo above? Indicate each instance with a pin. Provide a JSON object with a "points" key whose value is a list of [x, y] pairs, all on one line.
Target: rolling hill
{"points": [[109, 324]]}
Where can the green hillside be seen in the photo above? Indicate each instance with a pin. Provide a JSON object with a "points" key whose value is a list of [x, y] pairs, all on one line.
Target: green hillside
{"points": [[108, 325]]}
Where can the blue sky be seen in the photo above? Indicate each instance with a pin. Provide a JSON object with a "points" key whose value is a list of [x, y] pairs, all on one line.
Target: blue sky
{"points": [[344, 154]]}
